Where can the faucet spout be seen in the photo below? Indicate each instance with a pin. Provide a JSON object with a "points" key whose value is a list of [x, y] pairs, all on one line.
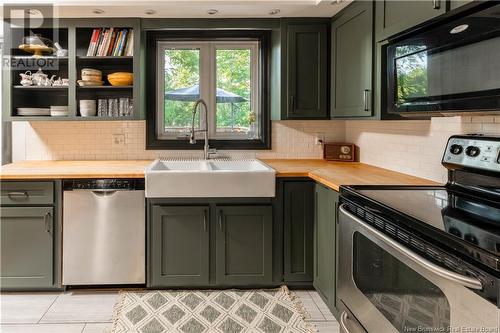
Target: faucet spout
{"points": [[206, 148]]}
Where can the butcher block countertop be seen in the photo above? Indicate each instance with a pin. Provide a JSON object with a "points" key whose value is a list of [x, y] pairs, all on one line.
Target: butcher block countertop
{"points": [[334, 174], [331, 174], [73, 169]]}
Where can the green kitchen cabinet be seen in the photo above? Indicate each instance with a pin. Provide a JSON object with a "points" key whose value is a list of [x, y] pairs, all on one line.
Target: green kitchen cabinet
{"points": [[454, 4], [27, 247], [298, 227], [393, 17], [305, 69], [244, 245], [180, 241], [325, 244], [352, 61]]}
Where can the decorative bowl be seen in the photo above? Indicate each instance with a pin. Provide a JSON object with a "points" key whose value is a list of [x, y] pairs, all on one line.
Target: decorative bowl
{"points": [[121, 79]]}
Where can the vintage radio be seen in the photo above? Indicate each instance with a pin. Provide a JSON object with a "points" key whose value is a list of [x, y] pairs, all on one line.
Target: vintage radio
{"points": [[339, 152]]}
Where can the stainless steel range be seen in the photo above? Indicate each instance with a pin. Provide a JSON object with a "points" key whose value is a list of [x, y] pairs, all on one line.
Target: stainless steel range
{"points": [[425, 259]]}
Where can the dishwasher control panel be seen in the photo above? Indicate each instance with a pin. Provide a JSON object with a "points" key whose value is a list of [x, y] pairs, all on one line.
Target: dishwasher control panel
{"points": [[103, 184]]}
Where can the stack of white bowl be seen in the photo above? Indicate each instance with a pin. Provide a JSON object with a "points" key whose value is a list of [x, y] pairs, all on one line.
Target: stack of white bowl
{"points": [[88, 107], [91, 77], [59, 110]]}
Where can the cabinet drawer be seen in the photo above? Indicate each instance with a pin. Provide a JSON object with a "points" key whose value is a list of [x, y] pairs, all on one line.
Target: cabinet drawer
{"points": [[27, 193]]}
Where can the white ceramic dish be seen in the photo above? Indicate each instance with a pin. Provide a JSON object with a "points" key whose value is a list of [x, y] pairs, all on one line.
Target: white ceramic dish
{"points": [[33, 111]]}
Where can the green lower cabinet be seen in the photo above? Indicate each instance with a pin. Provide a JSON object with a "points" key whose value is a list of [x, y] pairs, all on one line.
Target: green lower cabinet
{"points": [[325, 244], [298, 227], [180, 241], [27, 247], [244, 245]]}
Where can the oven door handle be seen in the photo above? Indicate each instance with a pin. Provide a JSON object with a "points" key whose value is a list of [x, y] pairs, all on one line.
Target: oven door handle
{"points": [[466, 281], [344, 326]]}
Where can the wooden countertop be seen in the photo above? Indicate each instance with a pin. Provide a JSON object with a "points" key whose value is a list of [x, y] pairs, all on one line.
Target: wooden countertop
{"points": [[331, 174], [334, 174], [73, 169]]}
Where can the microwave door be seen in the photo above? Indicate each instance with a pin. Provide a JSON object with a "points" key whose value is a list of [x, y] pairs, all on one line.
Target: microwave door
{"points": [[406, 292]]}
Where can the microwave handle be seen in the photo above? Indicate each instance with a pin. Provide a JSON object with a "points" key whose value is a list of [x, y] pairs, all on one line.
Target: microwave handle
{"points": [[466, 281]]}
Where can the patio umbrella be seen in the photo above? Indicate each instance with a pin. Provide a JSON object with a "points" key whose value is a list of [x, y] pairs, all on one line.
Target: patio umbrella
{"points": [[192, 94]]}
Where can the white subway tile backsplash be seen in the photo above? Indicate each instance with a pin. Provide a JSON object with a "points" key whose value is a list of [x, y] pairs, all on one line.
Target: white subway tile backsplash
{"points": [[93, 140], [413, 147]]}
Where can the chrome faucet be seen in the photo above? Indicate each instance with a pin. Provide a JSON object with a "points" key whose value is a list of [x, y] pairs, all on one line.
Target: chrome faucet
{"points": [[207, 151]]}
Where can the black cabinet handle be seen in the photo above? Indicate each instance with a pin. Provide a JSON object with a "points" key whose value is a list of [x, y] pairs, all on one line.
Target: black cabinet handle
{"points": [[366, 100], [46, 219], [292, 104], [205, 220], [18, 195]]}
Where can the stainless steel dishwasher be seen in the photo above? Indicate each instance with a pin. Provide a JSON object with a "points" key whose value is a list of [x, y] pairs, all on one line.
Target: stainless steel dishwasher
{"points": [[103, 232]]}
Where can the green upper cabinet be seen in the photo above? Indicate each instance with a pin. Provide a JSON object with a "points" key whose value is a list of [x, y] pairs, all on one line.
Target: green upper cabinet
{"points": [[454, 4], [179, 253], [305, 71], [27, 247], [393, 17], [352, 60], [325, 244], [244, 245]]}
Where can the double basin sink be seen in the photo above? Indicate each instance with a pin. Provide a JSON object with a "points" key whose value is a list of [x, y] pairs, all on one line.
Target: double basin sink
{"points": [[209, 179]]}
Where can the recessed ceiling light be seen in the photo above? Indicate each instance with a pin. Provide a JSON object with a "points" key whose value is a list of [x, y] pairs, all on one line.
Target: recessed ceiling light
{"points": [[212, 11], [33, 12], [274, 11], [150, 12], [97, 11]]}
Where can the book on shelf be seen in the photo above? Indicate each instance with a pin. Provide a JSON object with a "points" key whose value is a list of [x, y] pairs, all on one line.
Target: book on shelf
{"points": [[111, 42]]}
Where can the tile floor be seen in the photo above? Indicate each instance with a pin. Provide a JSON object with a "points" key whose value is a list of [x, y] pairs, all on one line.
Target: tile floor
{"points": [[92, 311]]}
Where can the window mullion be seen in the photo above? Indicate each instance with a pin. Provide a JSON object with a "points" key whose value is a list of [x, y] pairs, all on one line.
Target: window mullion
{"points": [[204, 81], [212, 101]]}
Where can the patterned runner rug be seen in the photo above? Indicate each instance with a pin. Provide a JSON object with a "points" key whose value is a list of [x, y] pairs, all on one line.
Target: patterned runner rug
{"points": [[210, 311]]}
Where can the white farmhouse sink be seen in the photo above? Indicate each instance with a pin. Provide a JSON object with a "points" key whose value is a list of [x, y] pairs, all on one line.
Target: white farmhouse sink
{"points": [[209, 179]]}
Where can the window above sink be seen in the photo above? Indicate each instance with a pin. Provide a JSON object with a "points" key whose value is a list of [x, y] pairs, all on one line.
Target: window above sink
{"points": [[228, 69]]}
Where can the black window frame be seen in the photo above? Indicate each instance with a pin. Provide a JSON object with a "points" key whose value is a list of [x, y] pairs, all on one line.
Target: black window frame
{"points": [[152, 39]]}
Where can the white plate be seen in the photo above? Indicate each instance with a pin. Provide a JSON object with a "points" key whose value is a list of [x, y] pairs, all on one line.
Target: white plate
{"points": [[33, 111]]}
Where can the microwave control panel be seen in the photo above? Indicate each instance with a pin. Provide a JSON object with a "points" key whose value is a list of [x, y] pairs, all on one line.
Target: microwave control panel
{"points": [[478, 152]]}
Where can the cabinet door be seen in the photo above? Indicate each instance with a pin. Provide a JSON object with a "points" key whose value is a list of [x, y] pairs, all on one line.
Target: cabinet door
{"points": [[179, 246], [325, 244], [352, 60], [244, 245], [298, 226], [307, 72], [393, 17], [454, 4], [27, 247]]}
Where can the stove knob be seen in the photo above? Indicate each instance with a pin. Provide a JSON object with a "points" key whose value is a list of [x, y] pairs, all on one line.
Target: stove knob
{"points": [[472, 151], [456, 149]]}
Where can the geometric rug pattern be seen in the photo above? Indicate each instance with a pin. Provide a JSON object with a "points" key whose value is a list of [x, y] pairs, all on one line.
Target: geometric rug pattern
{"points": [[210, 311]]}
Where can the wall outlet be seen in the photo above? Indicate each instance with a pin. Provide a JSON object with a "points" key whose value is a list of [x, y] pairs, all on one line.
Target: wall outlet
{"points": [[118, 140], [319, 138]]}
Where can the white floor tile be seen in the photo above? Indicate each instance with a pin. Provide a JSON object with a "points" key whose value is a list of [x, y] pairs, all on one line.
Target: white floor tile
{"points": [[42, 328], [97, 328], [321, 305], [82, 307], [327, 326], [25, 308]]}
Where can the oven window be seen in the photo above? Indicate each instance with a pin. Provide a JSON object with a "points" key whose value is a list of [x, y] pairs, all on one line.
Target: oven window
{"points": [[408, 300]]}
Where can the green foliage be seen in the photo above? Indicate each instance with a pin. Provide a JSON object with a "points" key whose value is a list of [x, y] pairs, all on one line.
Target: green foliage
{"points": [[411, 69], [182, 67]]}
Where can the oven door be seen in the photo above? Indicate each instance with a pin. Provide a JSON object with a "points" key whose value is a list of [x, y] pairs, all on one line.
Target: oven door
{"points": [[389, 288]]}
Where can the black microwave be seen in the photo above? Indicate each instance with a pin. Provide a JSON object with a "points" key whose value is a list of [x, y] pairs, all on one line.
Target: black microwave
{"points": [[449, 66]]}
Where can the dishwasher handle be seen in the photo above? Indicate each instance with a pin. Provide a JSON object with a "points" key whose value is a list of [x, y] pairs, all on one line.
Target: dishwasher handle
{"points": [[103, 193]]}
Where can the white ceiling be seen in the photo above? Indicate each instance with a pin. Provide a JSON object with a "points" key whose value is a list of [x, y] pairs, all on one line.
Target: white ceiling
{"points": [[193, 8]]}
